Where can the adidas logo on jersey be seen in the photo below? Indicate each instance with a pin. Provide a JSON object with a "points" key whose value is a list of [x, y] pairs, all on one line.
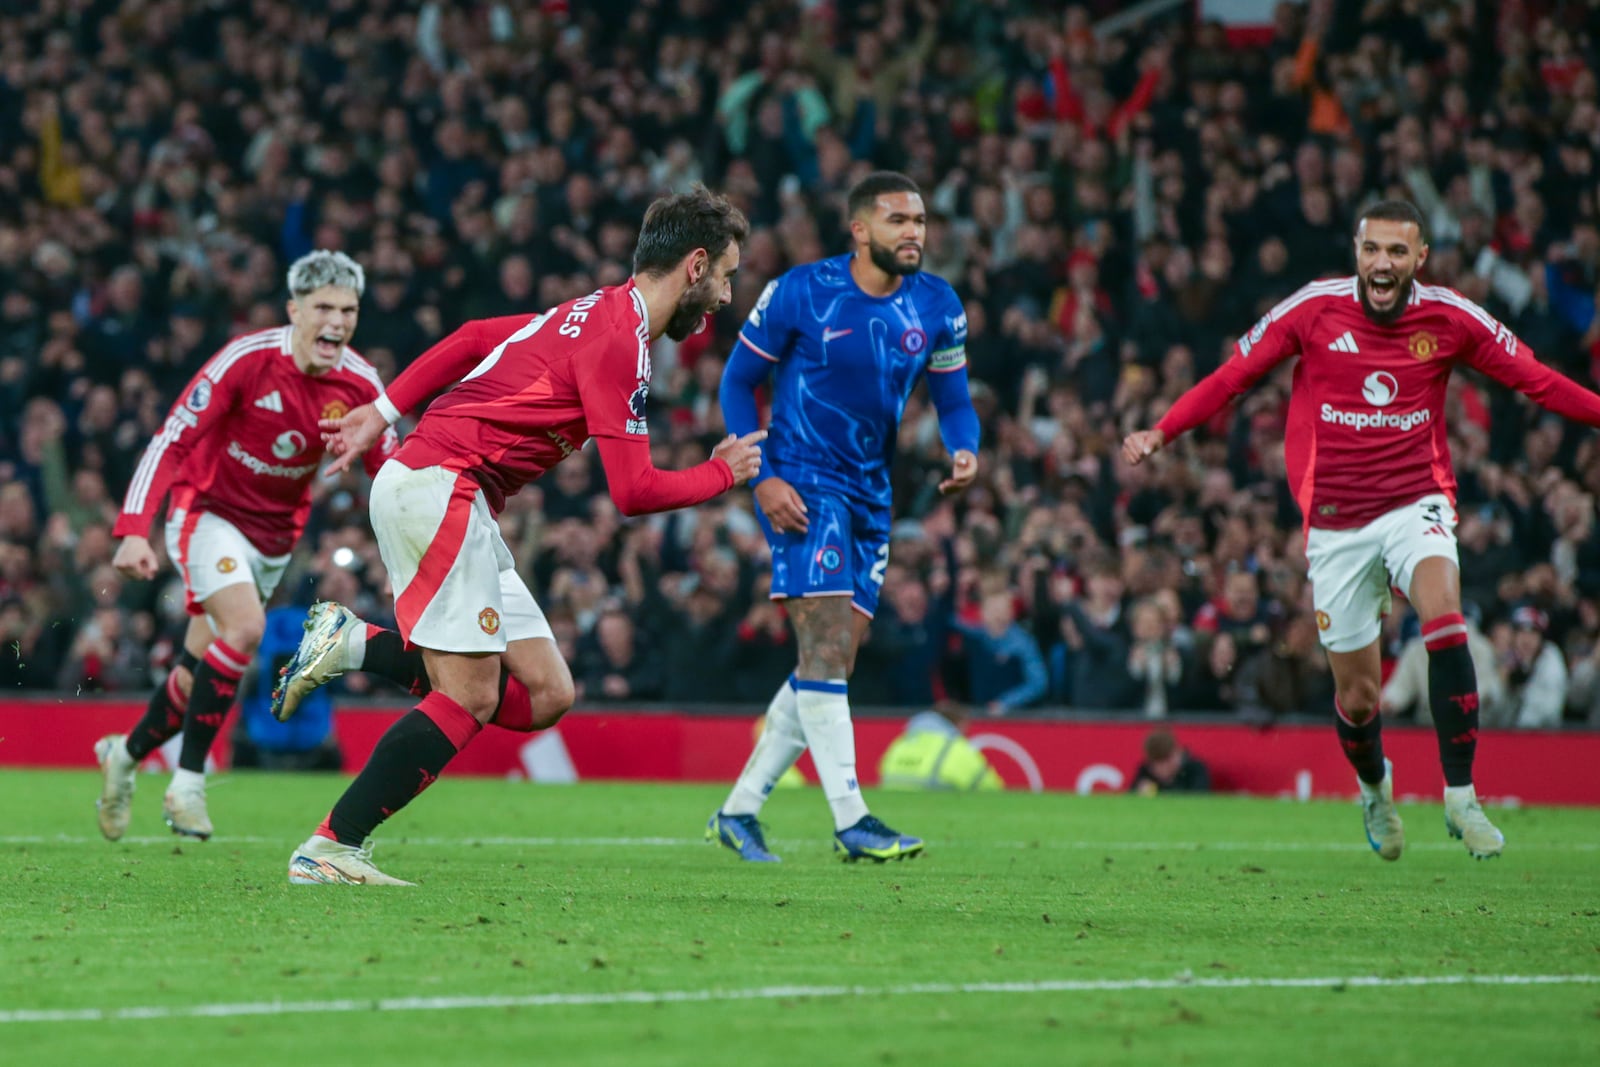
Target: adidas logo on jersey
{"points": [[271, 402], [1345, 343]]}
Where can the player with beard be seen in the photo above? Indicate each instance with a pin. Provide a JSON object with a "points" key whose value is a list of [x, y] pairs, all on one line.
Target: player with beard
{"points": [[1368, 461], [520, 394], [846, 340]]}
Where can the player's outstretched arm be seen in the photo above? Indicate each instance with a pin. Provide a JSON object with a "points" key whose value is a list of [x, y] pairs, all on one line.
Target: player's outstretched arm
{"points": [[1504, 357], [1275, 338], [452, 359], [638, 487]]}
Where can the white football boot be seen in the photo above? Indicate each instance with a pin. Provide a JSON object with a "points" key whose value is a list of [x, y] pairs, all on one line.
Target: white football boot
{"points": [[323, 861], [117, 770], [323, 655]]}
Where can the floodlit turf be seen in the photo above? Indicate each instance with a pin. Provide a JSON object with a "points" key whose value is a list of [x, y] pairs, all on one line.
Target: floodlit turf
{"points": [[1131, 930]]}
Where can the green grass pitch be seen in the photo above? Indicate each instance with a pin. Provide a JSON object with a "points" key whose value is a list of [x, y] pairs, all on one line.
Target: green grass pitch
{"points": [[590, 925]]}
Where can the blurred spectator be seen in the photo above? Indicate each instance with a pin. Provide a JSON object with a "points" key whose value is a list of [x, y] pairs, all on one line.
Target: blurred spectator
{"points": [[1093, 657], [1291, 676], [1005, 670], [1533, 670], [1155, 662], [612, 664], [1168, 768]]}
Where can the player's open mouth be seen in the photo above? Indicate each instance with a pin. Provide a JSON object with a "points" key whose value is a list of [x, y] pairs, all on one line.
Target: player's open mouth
{"points": [[329, 346], [1382, 287]]}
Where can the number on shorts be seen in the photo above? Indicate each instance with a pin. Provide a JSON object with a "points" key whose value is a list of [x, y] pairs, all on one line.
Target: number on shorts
{"points": [[1433, 513], [880, 566]]}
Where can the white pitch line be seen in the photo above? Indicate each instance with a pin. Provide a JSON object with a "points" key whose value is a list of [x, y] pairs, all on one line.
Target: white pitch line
{"points": [[682, 842], [694, 996]]}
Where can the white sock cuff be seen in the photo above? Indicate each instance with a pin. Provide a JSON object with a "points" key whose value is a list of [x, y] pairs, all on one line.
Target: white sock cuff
{"points": [[355, 646], [182, 779]]}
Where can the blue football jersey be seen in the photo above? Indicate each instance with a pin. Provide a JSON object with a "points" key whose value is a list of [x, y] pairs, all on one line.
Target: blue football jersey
{"points": [[846, 363]]}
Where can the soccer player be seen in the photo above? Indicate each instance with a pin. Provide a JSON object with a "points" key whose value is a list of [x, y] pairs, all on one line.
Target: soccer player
{"points": [[846, 339], [237, 455], [524, 392], [1369, 463]]}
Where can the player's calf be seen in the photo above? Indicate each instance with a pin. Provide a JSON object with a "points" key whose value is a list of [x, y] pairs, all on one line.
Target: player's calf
{"points": [[1452, 696]]}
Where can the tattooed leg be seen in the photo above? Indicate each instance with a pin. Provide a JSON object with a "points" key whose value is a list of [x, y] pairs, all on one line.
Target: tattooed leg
{"points": [[828, 633]]}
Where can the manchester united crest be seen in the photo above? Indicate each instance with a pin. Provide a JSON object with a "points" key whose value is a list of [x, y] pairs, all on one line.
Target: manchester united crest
{"points": [[335, 409], [1424, 346], [489, 621], [1323, 622], [227, 564]]}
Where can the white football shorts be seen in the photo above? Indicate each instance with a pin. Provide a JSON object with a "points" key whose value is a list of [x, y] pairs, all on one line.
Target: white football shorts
{"points": [[211, 554], [456, 587], [1354, 572]]}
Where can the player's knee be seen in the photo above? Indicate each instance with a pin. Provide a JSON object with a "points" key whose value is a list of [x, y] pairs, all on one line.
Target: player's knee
{"points": [[553, 700], [1359, 700], [244, 635], [479, 700], [551, 692]]}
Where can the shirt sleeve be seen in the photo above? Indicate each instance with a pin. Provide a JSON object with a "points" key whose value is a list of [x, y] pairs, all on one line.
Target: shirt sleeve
{"points": [[204, 405], [764, 340], [1274, 339], [770, 329], [947, 381], [614, 383], [455, 357], [638, 487], [376, 456], [1492, 348]]}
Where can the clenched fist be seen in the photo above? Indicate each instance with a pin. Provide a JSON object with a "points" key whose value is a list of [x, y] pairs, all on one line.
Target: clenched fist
{"points": [[1142, 444]]}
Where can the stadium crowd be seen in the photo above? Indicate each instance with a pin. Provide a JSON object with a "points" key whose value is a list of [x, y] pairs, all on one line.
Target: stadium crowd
{"points": [[1114, 210]]}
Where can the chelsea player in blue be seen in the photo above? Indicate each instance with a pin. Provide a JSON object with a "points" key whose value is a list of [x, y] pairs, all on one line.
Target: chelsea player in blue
{"points": [[846, 340]]}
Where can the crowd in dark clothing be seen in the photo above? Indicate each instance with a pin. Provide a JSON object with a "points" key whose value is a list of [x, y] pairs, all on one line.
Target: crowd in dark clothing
{"points": [[1113, 209]]}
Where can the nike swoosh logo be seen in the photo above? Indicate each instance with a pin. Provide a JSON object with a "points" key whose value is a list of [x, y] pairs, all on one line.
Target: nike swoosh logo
{"points": [[834, 335]]}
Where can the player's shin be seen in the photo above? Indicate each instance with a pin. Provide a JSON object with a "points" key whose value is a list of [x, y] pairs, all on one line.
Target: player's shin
{"points": [[1452, 696], [408, 758], [216, 685], [781, 742], [163, 718], [824, 713], [1362, 744]]}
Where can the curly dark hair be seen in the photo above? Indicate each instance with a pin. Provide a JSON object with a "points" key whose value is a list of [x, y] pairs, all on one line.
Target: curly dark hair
{"points": [[676, 225]]}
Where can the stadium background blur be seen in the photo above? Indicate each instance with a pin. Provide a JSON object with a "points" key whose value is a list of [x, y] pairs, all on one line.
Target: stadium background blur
{"points": [[1114, 210]]}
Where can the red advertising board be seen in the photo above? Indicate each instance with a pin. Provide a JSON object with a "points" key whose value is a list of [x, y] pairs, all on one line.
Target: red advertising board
{"points": [[1533, 767]]}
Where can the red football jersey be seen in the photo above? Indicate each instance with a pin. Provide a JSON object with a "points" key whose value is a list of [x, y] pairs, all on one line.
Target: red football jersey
{"points": [[242, 441], [1366, 430], [529, 392]]}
